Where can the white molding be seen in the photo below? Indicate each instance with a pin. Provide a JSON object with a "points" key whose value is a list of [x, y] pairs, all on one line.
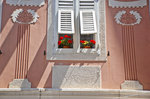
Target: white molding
{"points": [[135, 13], [71, 93], [26, 2], [16, 13], [129, 4]]}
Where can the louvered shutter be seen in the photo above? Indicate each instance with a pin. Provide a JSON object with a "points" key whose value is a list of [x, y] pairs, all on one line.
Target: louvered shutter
{"points": [[65, 4], [65, 22], [88, 22], [86, 4]]}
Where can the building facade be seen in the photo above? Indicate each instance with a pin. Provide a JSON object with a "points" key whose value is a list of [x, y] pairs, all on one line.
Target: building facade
{"points": [[74, 49]]}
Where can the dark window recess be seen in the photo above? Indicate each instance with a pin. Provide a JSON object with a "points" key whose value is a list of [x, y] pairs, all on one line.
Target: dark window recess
{"points": [[65, 41]]}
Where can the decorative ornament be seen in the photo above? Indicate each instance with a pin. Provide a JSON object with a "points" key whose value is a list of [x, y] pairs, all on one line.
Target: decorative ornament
{"points": [[132, 18], [127, 4], [26, 2], [24, 16]]}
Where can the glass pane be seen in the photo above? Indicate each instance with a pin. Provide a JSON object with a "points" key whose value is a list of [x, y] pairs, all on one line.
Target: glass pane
{"points": [[65, 41], [87, 41]]}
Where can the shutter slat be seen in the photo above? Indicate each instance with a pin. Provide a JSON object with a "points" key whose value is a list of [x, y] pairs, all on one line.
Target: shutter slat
{"points": [[65, 22], [86, 4], [88, 22], [65, 4]]}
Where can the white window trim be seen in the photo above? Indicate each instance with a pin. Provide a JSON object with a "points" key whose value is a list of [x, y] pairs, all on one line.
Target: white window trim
{"points": [[78, 54]]}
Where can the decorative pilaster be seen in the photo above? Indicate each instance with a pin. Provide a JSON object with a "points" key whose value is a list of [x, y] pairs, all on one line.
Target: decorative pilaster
{"points": [[128, 20], [129, 53], [22, 17], [131, 80], [22, 57]]}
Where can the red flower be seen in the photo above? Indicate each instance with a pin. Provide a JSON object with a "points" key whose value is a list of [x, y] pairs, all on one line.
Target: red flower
{"points": [[69, 41], [59, 42], [69, 36], [61, 38], [92, 41], [66, 36], [82, 41]]}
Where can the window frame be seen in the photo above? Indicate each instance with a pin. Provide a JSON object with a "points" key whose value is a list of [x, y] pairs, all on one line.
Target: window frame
{"points": [[54, 53]]}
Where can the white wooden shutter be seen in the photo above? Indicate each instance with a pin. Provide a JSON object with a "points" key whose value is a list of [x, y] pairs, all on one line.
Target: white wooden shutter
{"points": [[65, 4], [88, 22], [86, 4], [65, 22]]}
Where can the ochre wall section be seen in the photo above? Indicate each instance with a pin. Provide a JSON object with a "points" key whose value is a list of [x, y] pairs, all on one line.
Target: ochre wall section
{"points": [[39, 69]]}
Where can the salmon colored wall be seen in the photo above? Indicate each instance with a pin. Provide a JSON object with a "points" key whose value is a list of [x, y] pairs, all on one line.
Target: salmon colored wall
{"points": [[114, 45], [40, 74]]}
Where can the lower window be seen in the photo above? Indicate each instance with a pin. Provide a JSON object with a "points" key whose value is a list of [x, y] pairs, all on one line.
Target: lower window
{"points": [[87, 41], [65, 41]]}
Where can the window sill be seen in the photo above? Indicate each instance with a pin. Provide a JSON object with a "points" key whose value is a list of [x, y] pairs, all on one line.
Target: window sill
{"points": [[78, 57]]}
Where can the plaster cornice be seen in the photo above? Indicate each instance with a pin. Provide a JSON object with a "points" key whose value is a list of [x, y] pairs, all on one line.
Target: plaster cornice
{"points": [[26, 2], [129, 4]]}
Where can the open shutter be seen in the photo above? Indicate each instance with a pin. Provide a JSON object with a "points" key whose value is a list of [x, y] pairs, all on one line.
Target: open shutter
{"points": [[88, 22], [65, 22], [86, 4], [65, 4]]}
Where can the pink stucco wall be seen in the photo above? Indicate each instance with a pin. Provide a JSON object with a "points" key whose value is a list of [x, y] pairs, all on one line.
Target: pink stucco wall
{"points": [[39, 71]]}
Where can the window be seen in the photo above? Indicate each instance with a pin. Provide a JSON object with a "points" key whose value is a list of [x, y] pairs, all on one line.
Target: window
{"points": [[74, 30]]}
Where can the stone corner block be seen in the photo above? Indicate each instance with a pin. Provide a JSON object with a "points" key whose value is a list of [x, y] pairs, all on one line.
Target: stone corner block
{"points": [[131, 84], [20, 83]]}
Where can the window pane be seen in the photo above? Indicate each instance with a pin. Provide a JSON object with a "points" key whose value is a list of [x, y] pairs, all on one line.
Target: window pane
{"points": [[65, 41], [87, 41]]}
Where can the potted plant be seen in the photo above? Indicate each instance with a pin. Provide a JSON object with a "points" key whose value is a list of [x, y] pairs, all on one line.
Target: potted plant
{"points": [[87, 44], [65, 42]]}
